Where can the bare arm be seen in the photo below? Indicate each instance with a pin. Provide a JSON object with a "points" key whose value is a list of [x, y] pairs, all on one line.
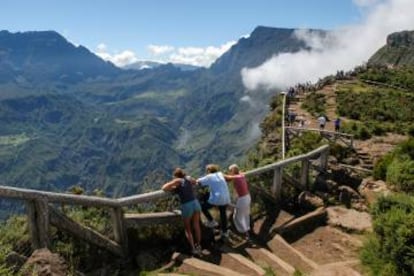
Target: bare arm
{"points": [[192, 180], [169, 186], [228, 177]]}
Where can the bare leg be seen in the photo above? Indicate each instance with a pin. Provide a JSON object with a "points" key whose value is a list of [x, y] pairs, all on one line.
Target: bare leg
{"points": [[188, 232], [196, 227]]}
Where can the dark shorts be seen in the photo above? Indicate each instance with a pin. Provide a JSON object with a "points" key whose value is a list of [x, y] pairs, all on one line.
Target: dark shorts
{"points": [[189, 208]]}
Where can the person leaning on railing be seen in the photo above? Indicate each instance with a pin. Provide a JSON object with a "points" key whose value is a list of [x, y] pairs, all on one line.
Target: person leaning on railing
{"points": [[241, 215], [219, 197], [190, 207]]}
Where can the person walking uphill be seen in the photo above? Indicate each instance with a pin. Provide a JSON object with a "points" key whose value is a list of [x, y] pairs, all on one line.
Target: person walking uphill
{"points": [[219, 197], [190, 207], [241, 216]]}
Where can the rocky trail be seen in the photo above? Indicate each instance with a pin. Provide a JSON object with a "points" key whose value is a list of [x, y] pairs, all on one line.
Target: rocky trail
{"points": [[312, 244]]}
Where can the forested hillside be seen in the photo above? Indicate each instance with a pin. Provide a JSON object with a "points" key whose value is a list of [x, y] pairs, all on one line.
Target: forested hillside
{"points": [[69, 118]]}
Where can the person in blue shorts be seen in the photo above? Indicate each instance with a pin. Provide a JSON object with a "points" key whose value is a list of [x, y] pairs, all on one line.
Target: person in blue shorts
{"points": [[190, 207]]}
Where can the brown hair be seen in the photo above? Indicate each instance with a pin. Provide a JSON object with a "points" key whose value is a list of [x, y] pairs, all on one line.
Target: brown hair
{"points": [[179, 173], [212, 168]]}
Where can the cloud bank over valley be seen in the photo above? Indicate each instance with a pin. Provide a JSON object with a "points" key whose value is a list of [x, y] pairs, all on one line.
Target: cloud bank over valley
{"points": [[342, 49], [196, 56]]}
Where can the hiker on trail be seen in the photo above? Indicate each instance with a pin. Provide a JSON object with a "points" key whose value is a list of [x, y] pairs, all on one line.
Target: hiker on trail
{"points": [[291, 117], [301, 121], [337, 124], [219, 197], [322, 122], [241, 216], [190, 207]]}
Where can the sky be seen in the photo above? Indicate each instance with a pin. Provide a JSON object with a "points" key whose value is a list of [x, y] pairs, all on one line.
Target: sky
{"points": [[185, 31], [197, 32]]}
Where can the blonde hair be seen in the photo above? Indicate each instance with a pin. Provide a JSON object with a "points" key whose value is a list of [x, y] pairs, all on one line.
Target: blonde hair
{"points": [[212, 168], [234, 168]]}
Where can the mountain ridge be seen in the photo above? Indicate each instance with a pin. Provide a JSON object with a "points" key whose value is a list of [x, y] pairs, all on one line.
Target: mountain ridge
{"points": [[398, 50], [40, 56], [208, 109]]}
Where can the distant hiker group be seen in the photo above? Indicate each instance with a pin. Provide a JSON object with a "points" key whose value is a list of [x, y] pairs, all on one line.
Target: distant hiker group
{"points": [[218, 196], [322, 122]]}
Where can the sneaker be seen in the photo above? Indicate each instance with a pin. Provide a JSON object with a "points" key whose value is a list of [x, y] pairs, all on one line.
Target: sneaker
{"points": [[225, 235], [198, 247], [211, 224], [196, 251]]}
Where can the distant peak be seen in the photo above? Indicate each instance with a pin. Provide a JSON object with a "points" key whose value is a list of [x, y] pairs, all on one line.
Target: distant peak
{"points": [[404, 38], [267, 28]]}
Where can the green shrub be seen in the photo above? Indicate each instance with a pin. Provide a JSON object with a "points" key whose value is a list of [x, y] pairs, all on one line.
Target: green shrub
{"points": [[397, 167], [4, 270], [401, 174], [315, 104], [359, 130], [390, 249], [380, 168]]}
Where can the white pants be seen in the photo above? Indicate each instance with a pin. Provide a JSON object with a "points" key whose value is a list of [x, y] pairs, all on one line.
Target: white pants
{"points": [[241, 216]]}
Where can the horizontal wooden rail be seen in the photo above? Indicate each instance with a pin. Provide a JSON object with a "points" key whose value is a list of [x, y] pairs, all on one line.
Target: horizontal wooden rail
{"points": [[141, 198], [321, 131], [152, 218], [29, 194], [40, 216], [288, 161], [94, 201]]}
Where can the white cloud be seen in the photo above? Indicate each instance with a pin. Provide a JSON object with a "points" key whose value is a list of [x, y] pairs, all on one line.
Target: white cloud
{"points": [[157, 50], [364, 3], [343, 49], [199, 56], [101, 48], [119, 59], [245, 98]]}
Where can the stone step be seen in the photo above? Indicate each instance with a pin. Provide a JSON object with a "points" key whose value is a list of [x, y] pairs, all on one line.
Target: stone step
{"points": [[286, 252], [266, 225], [230, 258], [194, 266], [302, 225], [170, 274], [240, 264], [335, 269], [265, 258], [367, 166], [365, 157]]}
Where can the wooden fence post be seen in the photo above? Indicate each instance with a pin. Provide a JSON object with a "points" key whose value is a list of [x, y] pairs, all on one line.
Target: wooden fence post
{"points": [[324, 159], [277, 182], [38, 222], [304, 174], [120, 233]]}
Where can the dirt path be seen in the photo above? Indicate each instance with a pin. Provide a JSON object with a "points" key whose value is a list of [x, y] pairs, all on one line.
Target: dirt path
{"points": [[309, 120], [330, 94]]}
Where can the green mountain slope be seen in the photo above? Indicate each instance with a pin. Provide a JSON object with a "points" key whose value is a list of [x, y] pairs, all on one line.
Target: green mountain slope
{"points": [[123, 130], [398, 51], [59, 142]]}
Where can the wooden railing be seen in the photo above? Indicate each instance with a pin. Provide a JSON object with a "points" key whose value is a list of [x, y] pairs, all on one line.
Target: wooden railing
{"points": [[41, 213], [334, 136]]}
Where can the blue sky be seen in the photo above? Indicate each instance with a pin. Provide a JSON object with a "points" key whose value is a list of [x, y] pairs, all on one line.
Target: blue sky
{"points": [[156, 29]]}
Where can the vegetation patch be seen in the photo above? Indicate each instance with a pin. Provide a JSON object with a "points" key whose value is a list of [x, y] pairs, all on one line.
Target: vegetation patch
{"points": [[397, 167], [13, 140], [315, 103], [389, 250]]}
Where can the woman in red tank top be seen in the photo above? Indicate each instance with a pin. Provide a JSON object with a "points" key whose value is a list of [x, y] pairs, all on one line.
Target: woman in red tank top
{"points": [[241, 216]]}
